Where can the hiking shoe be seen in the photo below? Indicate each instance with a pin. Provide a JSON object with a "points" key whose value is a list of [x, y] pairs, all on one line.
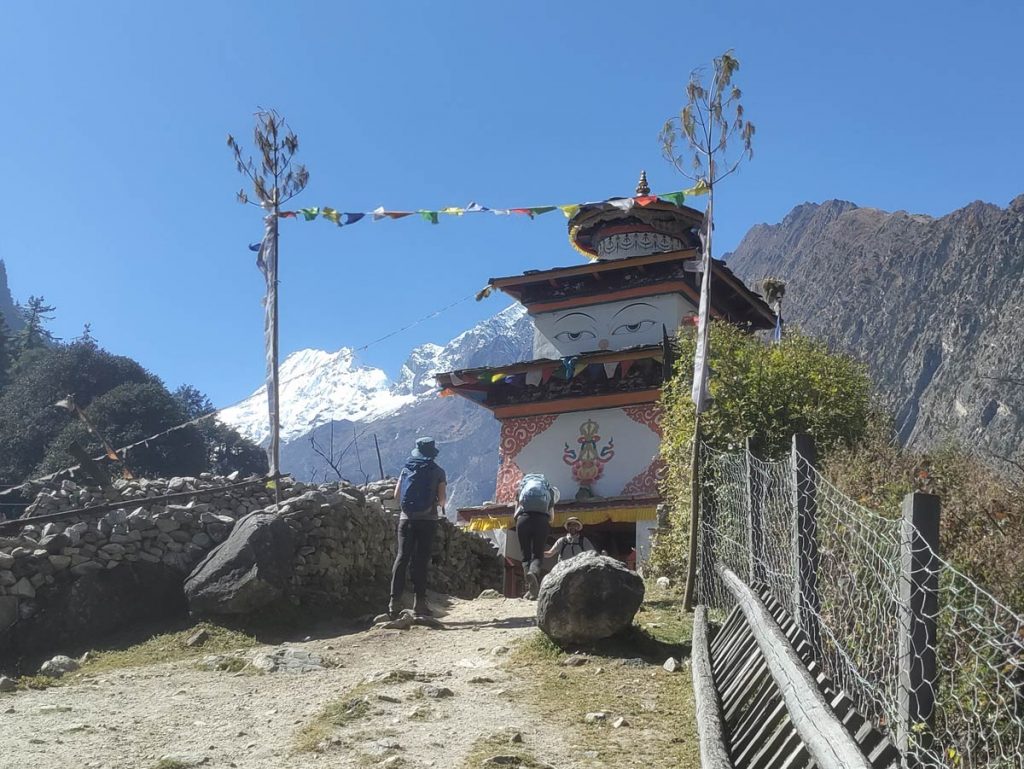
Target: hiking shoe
{"points": [[394, 609], [420, 608], [532, 586]]}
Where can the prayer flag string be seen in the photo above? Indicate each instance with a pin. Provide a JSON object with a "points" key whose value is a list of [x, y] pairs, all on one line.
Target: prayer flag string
{"points": [[342, 218]]}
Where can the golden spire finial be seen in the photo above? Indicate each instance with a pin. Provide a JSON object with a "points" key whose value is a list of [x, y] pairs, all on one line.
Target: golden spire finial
{"points": [[641, 186]]}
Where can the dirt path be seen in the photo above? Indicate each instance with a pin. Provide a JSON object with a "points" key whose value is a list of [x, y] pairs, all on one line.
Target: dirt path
{"points": [[175, 712]]}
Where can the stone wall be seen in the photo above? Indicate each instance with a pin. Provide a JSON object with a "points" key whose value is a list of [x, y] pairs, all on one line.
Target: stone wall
{"points": [[70, 582]]}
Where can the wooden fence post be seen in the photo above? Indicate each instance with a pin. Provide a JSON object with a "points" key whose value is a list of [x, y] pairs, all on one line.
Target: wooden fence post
{"points": [[806, 599], [918, 609], [755, 508]]}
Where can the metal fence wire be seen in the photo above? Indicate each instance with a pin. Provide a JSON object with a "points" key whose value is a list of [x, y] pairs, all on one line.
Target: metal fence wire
{"points": [[860, 615]]}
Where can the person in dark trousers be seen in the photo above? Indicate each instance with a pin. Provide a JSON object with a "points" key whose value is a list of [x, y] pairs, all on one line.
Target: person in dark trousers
{"points": [[535, 507], [421, 488]]}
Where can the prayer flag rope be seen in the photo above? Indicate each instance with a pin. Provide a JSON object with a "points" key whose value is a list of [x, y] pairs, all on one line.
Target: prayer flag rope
{"points": [[569, 210]]}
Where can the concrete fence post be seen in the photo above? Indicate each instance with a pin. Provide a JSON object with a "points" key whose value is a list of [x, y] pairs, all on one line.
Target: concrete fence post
{"points": [[805, 539], [755, 511], [918, 610]]}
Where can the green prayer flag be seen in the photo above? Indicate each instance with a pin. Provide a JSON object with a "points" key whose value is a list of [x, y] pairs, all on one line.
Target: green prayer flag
{"points": [[309, 214], [538, 210], [429, 216], [676, 198]]}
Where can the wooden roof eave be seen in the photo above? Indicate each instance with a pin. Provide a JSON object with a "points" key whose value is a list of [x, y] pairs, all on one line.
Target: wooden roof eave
{"points": [[511, 283]]}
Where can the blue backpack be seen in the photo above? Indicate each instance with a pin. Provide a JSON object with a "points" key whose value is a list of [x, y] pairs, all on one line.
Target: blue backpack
{"points": [[535, 495], [419, 485]]}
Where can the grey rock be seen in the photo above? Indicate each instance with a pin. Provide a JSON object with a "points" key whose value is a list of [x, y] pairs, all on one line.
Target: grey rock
{"points": [[7, 684], [598, 716], [60, 562], [167, 525], [490, 593], [436, 692], [58, 666], [249, 570], [6, 560], [671, 665], [588, 598], [8, 611], [198, 638], [23, 589], [574, 661]]}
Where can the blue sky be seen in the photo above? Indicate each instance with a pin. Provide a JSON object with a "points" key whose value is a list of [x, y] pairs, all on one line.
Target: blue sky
{"points": [[118, 196]]}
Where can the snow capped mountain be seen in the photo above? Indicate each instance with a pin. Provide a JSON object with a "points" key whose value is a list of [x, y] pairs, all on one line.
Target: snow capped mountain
{"points": [[318, 387]]}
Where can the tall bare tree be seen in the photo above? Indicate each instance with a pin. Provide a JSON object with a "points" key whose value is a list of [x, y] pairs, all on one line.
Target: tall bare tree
{"points": [[706, 142], [275, 180]]}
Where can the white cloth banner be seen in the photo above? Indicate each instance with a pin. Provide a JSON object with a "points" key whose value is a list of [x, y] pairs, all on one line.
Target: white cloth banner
{"points": [[701, 396]]}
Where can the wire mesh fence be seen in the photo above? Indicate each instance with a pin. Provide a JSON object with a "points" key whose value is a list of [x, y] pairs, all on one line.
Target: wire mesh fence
{"points": [[930, 657]]}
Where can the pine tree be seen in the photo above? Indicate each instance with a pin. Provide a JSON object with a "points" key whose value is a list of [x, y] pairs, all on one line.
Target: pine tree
{"points": [[6, 352], [35, 334]]}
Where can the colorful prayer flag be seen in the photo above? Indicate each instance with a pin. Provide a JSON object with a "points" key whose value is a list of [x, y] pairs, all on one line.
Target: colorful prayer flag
{"points": [[429, 216], [570, 210]]}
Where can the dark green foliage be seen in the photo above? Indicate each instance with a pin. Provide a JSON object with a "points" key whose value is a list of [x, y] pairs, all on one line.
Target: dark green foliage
{"points": [[124, 402], [28, 419], [7, 353], [129, 413], [34, 334], [227, 450]]}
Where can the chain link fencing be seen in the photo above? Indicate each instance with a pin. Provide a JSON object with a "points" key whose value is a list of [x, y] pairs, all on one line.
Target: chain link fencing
{"points": [[842, 570]]}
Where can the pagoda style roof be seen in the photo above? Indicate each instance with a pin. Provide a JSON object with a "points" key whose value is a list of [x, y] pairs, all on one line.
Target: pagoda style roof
{"points": [[649, 214], [597, 379], [636, 276]]}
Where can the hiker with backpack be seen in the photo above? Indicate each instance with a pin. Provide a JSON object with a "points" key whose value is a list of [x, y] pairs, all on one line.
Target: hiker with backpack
{"points": [[535, 507], [421, 489], [573, 543]]}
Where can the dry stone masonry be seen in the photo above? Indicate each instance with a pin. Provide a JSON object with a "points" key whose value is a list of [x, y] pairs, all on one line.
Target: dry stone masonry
{"points": [[65, 583]]}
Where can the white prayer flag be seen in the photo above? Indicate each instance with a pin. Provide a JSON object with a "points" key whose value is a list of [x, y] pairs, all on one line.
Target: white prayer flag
{"points": [[701, 396]]}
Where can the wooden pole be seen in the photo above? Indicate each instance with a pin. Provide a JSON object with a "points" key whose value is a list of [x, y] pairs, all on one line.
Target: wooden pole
{"points": [[918, 608], [380, 464], [691, 566]]}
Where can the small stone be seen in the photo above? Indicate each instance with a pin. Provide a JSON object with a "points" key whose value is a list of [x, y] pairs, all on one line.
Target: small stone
{"points": [[497, 651], [392, 761], [58, 666], [481, 680], [663, 582], [404, 622], [598, 716], [490, 593], [47, 709], [598, 670], [388, 698], [515, 738], [574, 661], [619, 722], [198, 638], [60, 562], [7, 684], [671, 665], [436, 692]]}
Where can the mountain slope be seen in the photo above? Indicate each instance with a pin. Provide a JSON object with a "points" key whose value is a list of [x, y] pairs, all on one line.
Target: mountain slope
{"points": [[323, 391], [933, 306]]}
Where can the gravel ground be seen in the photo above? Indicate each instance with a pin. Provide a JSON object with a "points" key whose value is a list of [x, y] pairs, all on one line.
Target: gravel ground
{"points": [[175, 712]]}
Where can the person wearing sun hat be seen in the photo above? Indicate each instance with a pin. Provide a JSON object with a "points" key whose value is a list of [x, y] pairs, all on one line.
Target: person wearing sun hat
{"points": [[421, 489], [573, 543]]}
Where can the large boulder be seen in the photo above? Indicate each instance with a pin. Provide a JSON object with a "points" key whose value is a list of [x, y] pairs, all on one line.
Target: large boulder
{"points": [[249, 570], [588, 598]]}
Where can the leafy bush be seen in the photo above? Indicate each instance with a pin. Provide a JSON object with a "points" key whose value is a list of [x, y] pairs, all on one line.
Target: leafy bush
{"points": [[764, 392]]}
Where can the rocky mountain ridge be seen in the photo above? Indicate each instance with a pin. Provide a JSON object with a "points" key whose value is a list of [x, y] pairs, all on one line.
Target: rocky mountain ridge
{"points": [[933, 306]]}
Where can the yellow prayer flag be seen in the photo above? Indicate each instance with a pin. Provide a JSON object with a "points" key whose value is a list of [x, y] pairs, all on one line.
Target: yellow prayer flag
{"points": [[453, 211], [570, 210]]}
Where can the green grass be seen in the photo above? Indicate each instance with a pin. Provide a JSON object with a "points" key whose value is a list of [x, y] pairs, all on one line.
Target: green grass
{"points": [[499, 745], [344, 711], [658, 706], [168, 647]]}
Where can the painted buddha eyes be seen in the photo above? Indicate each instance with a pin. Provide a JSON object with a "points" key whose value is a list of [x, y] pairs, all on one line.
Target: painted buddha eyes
{"points": [[574, 336], [632, 328]]}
